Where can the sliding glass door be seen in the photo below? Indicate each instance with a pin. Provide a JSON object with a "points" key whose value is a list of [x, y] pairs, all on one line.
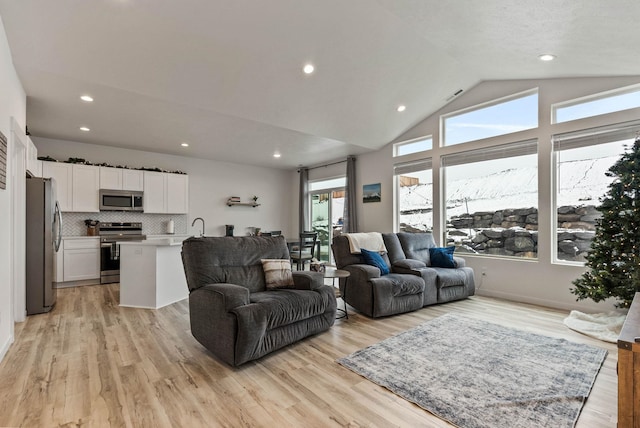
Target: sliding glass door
{"points": [[327, 206]]}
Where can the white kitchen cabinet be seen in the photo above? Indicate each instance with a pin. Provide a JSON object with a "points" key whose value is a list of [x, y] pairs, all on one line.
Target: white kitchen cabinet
{"points": [[177, 193], [86, 184], [121, 179], [58, 264], [154, 189], [166, 193], [62, 174], [110, 178], [81, 259], [34, 166]]}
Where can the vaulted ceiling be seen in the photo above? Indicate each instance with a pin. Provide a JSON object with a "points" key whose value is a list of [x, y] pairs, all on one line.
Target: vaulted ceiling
{"points": [[226, 76]]}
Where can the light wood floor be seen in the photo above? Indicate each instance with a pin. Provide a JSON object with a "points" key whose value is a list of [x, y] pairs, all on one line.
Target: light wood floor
{"points": [[91, 363]]}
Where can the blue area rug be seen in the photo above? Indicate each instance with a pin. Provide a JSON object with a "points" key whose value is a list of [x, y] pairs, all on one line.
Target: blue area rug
{"points": [[478, 374]]}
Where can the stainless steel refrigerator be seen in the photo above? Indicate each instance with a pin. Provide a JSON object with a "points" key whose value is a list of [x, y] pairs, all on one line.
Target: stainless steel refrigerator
{"points": [[44, 234]]}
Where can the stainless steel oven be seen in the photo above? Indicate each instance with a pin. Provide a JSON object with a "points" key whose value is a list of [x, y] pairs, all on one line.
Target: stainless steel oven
{"points": [[110, 235]]}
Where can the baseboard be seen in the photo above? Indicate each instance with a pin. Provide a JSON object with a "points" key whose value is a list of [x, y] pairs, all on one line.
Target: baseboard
{"points": [[567, 306], [5, 347]]}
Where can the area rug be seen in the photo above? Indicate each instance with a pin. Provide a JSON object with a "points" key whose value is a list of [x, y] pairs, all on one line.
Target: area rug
{"points": [[604, 326], [478, 374]]}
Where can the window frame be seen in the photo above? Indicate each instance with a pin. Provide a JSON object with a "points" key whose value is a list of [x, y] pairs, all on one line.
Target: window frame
{"points": [[587, 137], [476, 107], [590, 98], [396, 146], [503, 151], [408, 167]]}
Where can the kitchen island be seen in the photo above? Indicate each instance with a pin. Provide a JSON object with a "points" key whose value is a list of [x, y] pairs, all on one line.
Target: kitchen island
{"points": [[151, 273]]}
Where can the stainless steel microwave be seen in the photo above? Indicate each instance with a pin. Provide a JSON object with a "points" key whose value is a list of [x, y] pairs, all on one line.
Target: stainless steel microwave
{"points": [[120, 200]]}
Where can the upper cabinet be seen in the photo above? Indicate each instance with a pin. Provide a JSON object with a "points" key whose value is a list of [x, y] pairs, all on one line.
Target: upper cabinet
{"points": [[121, 179], [34, 166], [132, 179], [166, 193], [177, 193], [76, 185], [86, 184], [62, 174]]}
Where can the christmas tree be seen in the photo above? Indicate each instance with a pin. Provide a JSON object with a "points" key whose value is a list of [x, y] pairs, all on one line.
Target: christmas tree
{"points": [[614, 260]]}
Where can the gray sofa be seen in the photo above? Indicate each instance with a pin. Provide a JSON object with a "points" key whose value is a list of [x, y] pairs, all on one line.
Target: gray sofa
{"points": [[232, 312], [412, 282]]}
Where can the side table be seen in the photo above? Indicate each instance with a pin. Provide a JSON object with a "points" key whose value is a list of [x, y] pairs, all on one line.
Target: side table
{"points": [[334, 273]]}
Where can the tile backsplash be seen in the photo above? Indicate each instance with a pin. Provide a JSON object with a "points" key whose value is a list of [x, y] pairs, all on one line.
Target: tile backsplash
{"points": [[152, 224]]}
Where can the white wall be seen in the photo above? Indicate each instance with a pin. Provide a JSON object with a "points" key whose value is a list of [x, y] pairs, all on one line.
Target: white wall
{"points": [[541, 281], [210, 185], [12, 104]]}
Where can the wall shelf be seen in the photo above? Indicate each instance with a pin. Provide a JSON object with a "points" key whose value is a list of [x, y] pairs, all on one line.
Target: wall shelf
{"points": [[246, 204]]}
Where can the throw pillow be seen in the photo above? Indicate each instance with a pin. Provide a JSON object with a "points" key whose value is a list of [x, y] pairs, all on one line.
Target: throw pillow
{"points": [[375, 259], [277, 273], [442, 257]]}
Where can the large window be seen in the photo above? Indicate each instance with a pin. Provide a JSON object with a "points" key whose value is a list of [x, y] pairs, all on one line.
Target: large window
{"points": [[581, 162], [491, 200], [500, 117], [414, 193], [593, 105], [413, 146]]}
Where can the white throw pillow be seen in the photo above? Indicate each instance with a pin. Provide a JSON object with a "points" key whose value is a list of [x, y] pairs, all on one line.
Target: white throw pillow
{"points": [[277, 273]]}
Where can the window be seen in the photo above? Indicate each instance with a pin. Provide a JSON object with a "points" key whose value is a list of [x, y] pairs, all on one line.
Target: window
{"points": [[414, 193], [499, 117], [413, 146], [581, 161], [608, 102], [491, 200]]}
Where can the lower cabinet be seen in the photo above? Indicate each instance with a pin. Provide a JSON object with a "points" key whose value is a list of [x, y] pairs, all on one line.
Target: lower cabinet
{"points": [[81, 259]]}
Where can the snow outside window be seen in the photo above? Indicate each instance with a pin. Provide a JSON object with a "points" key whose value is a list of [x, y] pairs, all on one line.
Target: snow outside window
{"points": [[581, 162], [491, 200], [414, 193]]}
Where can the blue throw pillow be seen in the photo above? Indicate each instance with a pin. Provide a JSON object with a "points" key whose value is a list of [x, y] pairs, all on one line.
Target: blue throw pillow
{"points": [[442, 257], [374, 259]]}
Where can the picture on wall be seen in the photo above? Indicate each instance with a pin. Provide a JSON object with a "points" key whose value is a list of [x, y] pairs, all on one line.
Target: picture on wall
{"points": [[3, 161], [371, 193]]}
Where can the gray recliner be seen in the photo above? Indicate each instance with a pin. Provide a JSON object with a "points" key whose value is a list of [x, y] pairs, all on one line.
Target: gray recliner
{"points": [[232, 312], [412, 283]]}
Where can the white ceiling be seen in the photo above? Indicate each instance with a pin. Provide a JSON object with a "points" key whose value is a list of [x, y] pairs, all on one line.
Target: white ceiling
{"points": [[225, 76]]}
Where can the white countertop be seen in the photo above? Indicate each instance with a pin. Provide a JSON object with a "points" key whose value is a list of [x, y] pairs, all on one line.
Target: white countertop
{"points": [[155, 242]]}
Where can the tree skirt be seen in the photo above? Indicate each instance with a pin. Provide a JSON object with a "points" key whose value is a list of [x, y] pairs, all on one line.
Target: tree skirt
{"points": [[478, 374], [605, 327]]}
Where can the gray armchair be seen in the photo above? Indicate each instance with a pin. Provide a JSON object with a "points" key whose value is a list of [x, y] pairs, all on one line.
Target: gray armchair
{"points": [[233, 314]]}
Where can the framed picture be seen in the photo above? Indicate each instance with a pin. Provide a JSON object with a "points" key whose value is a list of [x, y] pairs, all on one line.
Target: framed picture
{"points": [[3, 161], [371, 193]]}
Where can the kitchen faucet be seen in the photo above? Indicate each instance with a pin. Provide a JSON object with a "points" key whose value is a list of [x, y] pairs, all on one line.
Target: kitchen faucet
{"points": [[194, 222]]}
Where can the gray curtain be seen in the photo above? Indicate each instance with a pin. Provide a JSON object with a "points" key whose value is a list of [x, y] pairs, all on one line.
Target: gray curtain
{"points": [[303, 214], [350, 217]]}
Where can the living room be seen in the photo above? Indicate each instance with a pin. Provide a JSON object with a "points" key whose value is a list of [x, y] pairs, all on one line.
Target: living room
{"points": [[539, 281]]}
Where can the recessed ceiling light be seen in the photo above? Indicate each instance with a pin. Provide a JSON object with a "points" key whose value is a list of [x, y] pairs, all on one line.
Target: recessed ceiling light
{"points": [[85, 129], [308, 68], [401, 108], [87, 98], [547, 57], [184, 144], [276, 155]]}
